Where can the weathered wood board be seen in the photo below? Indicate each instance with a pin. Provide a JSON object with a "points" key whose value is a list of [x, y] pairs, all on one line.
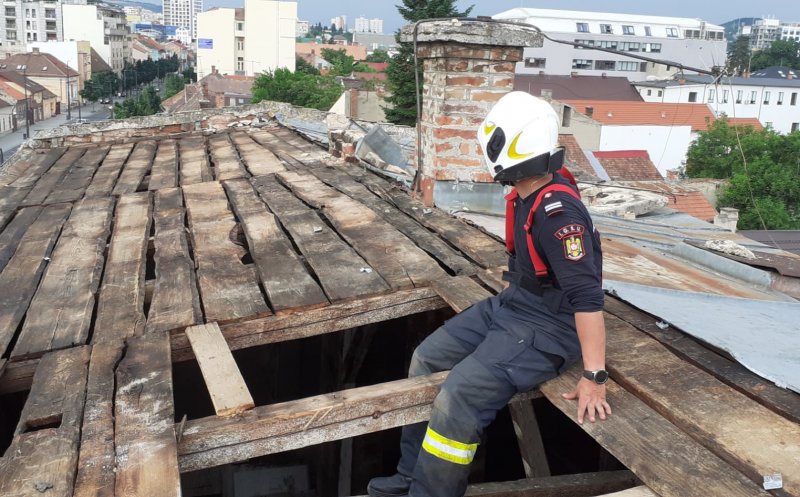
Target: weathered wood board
{"points": [[224, 381], [74, 184], [223, 155], [105, 178], [48, 180], [26, 172], [60, 313], [257, 160], [280, 270], [165, 166], [120, 312], [193, 161], [228, 289], [144, 429], [14, 231], [136, 168], [176, 300]]}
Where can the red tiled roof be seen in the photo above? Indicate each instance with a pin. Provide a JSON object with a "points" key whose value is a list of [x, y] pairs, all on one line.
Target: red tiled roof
{"points": [[574, 156], [620, 113], [379, 76], [378, 66], [745, 121], [693, 203], [628, 165]]}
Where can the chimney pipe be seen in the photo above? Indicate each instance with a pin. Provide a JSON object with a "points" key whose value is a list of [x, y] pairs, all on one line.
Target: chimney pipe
{"points": [[546, 94], [589, 111]]}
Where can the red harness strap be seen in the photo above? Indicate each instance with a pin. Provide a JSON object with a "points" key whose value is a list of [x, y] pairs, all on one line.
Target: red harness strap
{"points": [[538, 264]]}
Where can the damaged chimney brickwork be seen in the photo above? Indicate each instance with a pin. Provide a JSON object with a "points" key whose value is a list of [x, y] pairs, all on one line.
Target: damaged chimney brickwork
{"points": [[467, 67]]}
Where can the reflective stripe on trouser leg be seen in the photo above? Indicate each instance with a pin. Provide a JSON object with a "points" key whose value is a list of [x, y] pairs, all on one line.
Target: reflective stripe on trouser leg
{"points": [[449, 450]]}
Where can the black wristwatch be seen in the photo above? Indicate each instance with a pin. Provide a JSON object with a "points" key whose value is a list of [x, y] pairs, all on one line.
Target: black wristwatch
{"points": [[600, 376]]}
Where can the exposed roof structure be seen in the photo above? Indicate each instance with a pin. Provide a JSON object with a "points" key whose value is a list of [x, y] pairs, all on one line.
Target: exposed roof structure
{"points": [[187, 237], [578, 87], [628, 165], [619, 113]]}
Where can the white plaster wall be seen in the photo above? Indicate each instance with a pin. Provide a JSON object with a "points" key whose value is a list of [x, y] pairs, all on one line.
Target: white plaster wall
{"points": [[667, 145], [217, 25]]}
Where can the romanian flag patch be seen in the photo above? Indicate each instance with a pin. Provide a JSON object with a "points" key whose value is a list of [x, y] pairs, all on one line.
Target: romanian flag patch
{"points": [[572, 238]]}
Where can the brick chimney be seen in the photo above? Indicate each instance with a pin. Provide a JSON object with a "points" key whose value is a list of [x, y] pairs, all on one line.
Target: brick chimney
{"points": [[467, 67]]}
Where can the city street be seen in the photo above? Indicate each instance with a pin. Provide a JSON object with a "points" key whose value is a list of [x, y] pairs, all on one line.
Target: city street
{"points": [[11, 141]]}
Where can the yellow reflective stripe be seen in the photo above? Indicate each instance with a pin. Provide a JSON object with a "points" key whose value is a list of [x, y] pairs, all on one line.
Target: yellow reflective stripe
{"points": [[449, 450]]}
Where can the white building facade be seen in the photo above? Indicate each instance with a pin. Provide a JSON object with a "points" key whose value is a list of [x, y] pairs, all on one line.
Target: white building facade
{"points": [[29, 22], [364, 25], [249, 41], [691, 42], [183, 14], [104, 27], [775, 102], [339, 22]]}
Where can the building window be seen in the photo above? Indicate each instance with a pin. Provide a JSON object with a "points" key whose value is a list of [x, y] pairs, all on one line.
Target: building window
{"points": [[240, 26], [768, 125], [581, 64], [739, 94], [649, 92], [584, 42], [660, 92], [535, 62], [606, 44], [605, 65], [629, 46], [583, 27], [753, 96], [648, 31], [692, 96], [795, 127], [652, 47], [628, 30], [672, 32], [606, 29], [624, 65], [766, 97], [793, 100], [711, 95], [693, 34], [780, 98], [725, 96]]}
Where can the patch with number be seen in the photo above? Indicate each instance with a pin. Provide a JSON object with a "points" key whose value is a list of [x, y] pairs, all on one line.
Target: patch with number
{"points": [[572, 238]]}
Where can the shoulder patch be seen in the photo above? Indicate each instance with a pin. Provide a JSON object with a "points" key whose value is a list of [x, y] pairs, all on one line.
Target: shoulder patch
{"points": [[553, 208], [572, 238]]}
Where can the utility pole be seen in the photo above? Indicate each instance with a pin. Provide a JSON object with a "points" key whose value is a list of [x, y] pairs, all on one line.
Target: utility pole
{"points": [[24, 69], [69, 112]]}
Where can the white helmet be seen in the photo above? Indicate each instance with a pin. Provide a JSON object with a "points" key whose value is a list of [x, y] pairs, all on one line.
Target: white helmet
{"points": [[519, 138]]}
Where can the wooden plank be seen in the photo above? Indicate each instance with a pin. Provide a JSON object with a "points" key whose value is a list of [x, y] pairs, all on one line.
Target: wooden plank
{"points": [[733, 374], [176, 300], [280, 270], [106, 176], [460, 292], [136, 168], [17, 376], [165, 166], [477, 245], [423, 237], [10, 199], [26, 172], [224, 381], [751, 438], [48, 181], [23, 271], [398, 260], [529, 438], [665, 458], [258, 160], [120, 312], [12, 235], [303, 149], [336, 317], [147, 462], [215, 441], [43, 455], [336, 264], [579, 485], [228, 289], [74, 184], [282, 150], [226, 161], [493, 278], [193, 161], [2, 367], [60, 313], [96, 463]]}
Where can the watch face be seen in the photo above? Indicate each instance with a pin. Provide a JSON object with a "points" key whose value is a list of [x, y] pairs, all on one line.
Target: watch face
{"points": [[601, 376]]}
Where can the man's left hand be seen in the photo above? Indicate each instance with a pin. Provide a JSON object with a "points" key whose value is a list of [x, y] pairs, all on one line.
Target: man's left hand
{"points": [[591, 400]]}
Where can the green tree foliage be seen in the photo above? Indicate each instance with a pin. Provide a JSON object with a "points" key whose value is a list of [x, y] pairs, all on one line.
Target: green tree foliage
{"points": [[739, 56], [400, 74], [189, 75], [297, 88], [146, 104], [102, 84], [146, 71], [300, 65], [379, 56], [343, 64], [780, 53], [173, 83], [765, 186]]}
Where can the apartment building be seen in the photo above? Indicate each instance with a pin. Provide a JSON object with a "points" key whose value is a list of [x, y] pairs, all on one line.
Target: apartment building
{"points": [[691, 42], [771, 96], [105, 28], [183, 14], [260, 37], [26, 22], [364, 25]]}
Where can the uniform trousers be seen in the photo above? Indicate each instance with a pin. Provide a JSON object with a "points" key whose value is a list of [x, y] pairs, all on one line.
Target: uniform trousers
{"points": [[506, 344]]}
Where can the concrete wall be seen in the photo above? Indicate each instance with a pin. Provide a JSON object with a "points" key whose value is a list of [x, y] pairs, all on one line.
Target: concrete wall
{"points": [[269, 35], [104, 30], [667, 145], [219, 26]]}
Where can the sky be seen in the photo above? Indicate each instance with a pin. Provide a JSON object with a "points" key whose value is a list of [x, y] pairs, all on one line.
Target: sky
{"points": [[714, 11]]}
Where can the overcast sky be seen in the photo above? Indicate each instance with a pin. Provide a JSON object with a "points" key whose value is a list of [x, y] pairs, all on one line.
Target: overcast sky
{"points": [[715, 11]]}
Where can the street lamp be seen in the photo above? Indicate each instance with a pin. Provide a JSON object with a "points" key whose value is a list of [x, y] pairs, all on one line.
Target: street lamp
{"points": [[24, 69]]}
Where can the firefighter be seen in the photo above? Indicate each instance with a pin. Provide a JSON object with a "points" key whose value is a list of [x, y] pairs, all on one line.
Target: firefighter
{"points": [[547, 317]]}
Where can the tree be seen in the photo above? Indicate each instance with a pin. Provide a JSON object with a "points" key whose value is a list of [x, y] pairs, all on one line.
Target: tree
{"points": [[174, 83], [102, 84], [300, 65], [297, 88], [780, 53], [400, 74], [739, 56], [379, 56], [765, 186], [146, 104], [343, 64], [189, 75]]}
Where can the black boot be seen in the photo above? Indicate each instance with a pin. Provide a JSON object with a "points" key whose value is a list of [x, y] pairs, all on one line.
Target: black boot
{"points": [[396, 485]]}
